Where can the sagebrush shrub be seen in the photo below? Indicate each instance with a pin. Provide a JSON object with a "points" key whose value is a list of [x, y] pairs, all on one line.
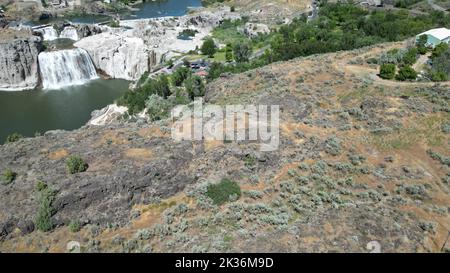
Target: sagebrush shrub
{"points": [[43, 221], [221, 192], [76, 164], [13, 137], [8, 176]]}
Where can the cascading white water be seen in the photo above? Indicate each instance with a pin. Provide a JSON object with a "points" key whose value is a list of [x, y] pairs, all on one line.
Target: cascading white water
{"points": [[65, 67], [49, 33], [69, 33]]}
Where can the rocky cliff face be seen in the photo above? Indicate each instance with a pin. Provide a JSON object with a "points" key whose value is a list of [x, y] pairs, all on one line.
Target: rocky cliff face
{"points": [[70, 31], [118, 56], [85, 30], [18, 62]]}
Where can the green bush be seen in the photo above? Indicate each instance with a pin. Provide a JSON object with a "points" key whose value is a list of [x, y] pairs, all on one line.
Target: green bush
{"points": [[142, 78], [208, 48], [406, 73], [180, 75], [229, 53], [410, 57], [242, 52], [43, 220], [186, 33], [440, 67], [13, 137], [421, 44], [74, 226], [157, 107], [181, 97], [340, 26], [221, 192], [135, 99], [438, 76], [195, 87], [8, 176], [40, 186], [387, 71], [439, 50], [333, 146], [114, 23], [76, 164]]}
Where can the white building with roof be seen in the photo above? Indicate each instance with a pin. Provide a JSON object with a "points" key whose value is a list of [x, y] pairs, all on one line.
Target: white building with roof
{"points": [[436, 36]]}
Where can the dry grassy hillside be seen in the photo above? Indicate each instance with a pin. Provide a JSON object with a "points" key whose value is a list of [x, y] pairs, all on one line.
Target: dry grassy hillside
{"points": [[271, 11], [361, 159]]}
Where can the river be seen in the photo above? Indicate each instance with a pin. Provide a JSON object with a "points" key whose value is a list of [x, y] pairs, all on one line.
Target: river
{"points": [[28, 112], [149, 9]]}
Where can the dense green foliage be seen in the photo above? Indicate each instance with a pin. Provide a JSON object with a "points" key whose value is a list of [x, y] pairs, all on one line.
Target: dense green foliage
{"points": [[157, 107], [421, 44], [387, 71], [339, 26], [180, 75], [143, 78], [8, 176], [208, 47], [195, 87], [344, 27], [410, 56], [223, 191], [74, 226], [76, 164], [43, 220], [229, 53], [440, 63], [187, 33], [135, 99], [228, 31], [13, 137], [400, 56], [406, 73], [114, 23], [242, 52], [40, 185]]}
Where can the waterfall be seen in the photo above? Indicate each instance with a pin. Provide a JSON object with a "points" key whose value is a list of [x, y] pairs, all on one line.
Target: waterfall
{"points": [[49, 33], [69, 33], [65, 67]]}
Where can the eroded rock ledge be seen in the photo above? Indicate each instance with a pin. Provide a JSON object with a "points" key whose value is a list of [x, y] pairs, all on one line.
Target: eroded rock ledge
{"points": [[18, 59], [118, 56]]}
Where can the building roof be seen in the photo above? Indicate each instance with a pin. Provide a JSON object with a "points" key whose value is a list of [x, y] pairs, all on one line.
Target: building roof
{"points": [[439, 33]]}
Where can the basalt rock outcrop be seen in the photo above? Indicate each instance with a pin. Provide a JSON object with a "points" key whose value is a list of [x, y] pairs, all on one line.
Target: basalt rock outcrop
{"points": [[96, 196], [68, 31], [118, 56], [18, 60]]}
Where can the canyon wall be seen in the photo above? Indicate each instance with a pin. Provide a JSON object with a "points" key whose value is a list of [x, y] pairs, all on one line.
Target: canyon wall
{"points": [[118, 56], [18, 60]]}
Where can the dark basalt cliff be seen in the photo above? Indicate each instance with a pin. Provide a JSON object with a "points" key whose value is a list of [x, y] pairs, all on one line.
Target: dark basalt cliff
{"points": [[19, 60]]}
